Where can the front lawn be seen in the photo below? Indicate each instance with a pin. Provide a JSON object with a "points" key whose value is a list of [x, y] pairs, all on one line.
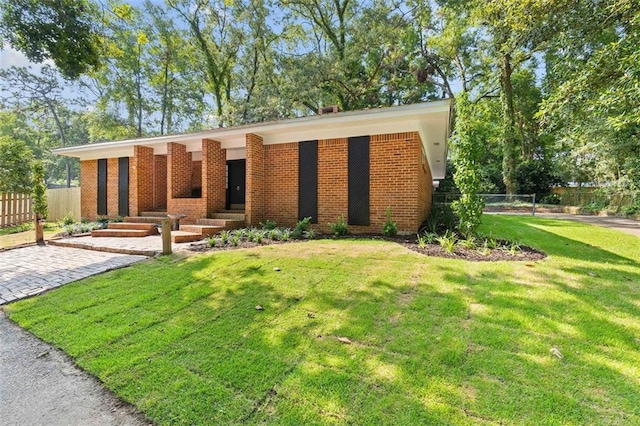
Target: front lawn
{"points": [[434, 340]]}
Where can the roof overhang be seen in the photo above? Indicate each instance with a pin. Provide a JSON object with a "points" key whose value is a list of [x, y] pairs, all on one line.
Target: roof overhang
{"points": [[431, 120]]}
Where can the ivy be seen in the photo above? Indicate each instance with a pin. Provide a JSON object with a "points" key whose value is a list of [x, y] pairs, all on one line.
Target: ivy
{"points": [[467, 151]]}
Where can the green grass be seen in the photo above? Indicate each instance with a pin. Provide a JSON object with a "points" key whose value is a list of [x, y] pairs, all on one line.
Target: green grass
{"points": [[435, 341]]}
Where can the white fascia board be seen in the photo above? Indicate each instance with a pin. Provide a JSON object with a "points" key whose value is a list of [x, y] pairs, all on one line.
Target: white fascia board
{"points": [[405, 118]]}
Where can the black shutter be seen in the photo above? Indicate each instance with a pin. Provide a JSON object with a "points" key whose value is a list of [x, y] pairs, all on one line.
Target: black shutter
{"points": [[102, 187], [308, 180], [358, 180], [123, 186]]}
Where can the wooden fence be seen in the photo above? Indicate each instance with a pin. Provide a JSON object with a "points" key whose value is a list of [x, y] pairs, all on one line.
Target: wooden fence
{"points": [[63, 201], [15, 209]]}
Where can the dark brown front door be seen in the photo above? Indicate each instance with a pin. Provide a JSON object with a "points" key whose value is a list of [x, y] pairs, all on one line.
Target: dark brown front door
{"points": [[237, 170]]}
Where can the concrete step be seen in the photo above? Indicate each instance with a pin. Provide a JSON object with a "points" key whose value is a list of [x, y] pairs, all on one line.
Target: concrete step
{"points": [[229, 215], [204, 230], [155, 213], [185, 237], [144, 219], [222, 223], [122, 233], [133, 225]]}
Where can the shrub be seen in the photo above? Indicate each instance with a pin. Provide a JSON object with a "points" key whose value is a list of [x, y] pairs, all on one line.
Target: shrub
{"points": [[553, 199], [448, 241], [269, 224], [285, 234], [68, 219], [274, 234], [84, 220], [301, 227], [631, 210], [340, 227], [389, 228], [102, 219], [468, 243], [225, 236], [310, 234]]}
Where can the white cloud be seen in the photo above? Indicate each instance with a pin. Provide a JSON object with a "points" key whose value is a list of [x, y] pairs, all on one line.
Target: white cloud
{"points": [[10, 57]]}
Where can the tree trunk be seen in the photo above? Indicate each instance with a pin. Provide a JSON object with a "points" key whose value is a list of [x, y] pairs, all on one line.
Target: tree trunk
{"points": [[509, 155]]}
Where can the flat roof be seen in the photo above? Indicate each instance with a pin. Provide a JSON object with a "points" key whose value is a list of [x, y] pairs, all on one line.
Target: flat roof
{"points": [[430, 119]]}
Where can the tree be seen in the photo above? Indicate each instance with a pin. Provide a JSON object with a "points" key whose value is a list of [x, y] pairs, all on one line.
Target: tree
{"points": [[467, 147], [15, 166], [38, 194], [65, 31], [34, 93]]}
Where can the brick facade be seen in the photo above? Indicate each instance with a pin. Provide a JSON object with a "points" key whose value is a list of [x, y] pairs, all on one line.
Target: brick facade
{"points": [[281, 183], [254, 207], [214, 169], [89, 189], [141, 169], [400, 178]]}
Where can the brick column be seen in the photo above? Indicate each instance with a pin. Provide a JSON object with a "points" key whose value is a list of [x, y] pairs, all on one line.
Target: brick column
{"points": [[89, 189], [254, 205], [112, 187], [178, 171], [140, 180], [214, 169]]}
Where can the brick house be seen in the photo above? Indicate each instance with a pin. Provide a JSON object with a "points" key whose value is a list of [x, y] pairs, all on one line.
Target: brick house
{"points": [[352, 164]]}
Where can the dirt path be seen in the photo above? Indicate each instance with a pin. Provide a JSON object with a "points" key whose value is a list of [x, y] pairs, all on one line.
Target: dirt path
{"points": [[40, 385]]}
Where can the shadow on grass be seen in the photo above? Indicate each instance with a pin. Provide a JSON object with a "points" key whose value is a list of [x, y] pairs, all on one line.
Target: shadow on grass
{"points": [[433, 341]]}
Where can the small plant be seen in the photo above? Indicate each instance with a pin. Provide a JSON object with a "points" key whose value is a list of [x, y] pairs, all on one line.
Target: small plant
{"points": [[68, 219], [84, 220], [422, 240], [285, 234], [118, 219], [340, 227], [69, 229], [484, 250], [225, 236], [251, 234], [310, 234], [301, 227], [235, 239], [259, 236], [513, 248], [491, 243], [389, 228], [269, 224], [448, 241], [468, 243], [212, 241], [102, 219], [274, 234]]}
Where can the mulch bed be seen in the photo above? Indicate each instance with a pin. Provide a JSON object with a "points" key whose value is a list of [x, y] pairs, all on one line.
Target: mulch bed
{"points": [[499, 254]]}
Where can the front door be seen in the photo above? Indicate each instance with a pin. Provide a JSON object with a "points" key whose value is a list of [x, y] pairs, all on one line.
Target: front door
{"points": [[237, 170]]}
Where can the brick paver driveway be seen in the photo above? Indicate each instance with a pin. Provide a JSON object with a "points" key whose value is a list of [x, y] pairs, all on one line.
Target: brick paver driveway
{"points": [[31, 270]]}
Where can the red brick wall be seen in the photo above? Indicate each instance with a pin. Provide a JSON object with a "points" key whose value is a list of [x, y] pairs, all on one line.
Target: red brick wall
{"points": [[425, 187], [281, 183], [160, 181], [112, 187], [254, 207], [89, 189], [194, 208], [178, 170], [196, 174], [141, 180], [214, 162], [333, 198]]}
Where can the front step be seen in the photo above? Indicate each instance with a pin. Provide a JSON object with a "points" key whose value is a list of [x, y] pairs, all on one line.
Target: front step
{"points": [[144, 219], [125, 229], [120, 233], [230, 215], [184, 237], [222, 223], [202, 230], [155, 213]]}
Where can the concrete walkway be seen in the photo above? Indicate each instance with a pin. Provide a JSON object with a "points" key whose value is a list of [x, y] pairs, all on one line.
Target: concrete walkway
{"points": [[621, 224], [28, 271], [40, 385], [145, 246]]}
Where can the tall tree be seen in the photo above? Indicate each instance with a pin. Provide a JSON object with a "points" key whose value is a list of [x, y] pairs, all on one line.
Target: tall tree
{"points": [[65, 31]]}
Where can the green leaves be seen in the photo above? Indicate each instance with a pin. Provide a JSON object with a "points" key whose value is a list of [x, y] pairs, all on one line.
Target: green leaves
{"points": [[15, 163]]}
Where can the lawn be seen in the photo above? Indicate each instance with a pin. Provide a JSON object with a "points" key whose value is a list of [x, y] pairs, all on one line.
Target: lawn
{"points": [[24, 234], [434, 340]]}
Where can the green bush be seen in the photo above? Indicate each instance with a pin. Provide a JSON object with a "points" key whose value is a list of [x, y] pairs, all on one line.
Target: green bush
{"points": [[269, 224], [301, 228], [631, 210], [389, 228], [340, 227], [68, 219]]}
